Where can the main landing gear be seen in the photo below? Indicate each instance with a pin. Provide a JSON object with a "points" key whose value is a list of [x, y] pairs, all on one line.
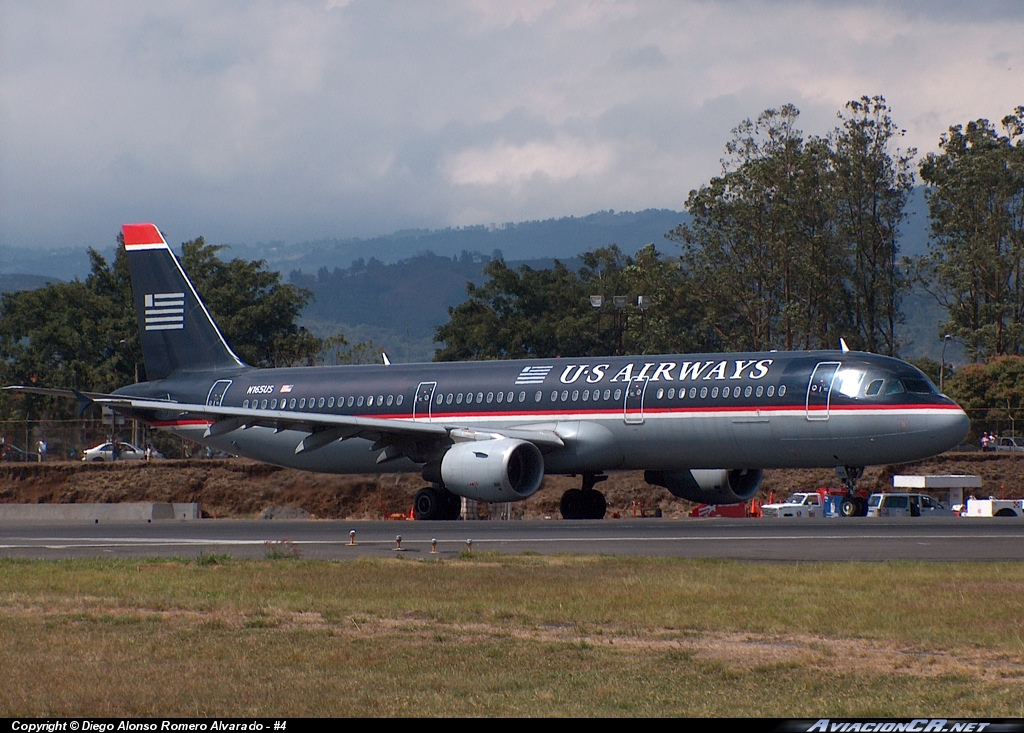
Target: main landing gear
{"points": [[435, 502], [585, 503], [851, 505]]}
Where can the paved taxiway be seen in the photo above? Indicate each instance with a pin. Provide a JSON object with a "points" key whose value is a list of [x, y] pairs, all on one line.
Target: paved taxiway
{"points": [[939, 539]]}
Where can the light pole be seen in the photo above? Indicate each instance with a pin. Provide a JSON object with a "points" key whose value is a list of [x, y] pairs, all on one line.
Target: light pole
{"points": [[942, 365]]}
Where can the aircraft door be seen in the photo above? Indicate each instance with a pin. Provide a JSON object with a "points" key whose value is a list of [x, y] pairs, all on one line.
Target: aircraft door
{"points": [[217, 391], [819, 390], [421, 406], [633, 407]]}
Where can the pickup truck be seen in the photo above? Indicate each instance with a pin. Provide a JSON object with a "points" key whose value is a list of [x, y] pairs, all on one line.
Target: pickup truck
{"points": [[800, 504], [1009, 445]]}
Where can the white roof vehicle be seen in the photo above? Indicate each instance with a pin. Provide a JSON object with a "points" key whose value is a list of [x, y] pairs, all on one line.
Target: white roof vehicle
{"points": [[800, 504], [105, 452], [905, 504]]}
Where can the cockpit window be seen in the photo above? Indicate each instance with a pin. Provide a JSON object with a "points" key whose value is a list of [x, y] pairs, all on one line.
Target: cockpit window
{"points": [[874, 387], [895, 386], [916, 385]]}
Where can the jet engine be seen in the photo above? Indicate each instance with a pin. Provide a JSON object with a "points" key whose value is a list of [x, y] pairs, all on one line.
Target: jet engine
{"points": [[493, 470], [708, 486]]}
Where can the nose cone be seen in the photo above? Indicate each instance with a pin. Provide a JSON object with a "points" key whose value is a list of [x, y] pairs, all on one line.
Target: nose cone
{"points": [[951, 428]]}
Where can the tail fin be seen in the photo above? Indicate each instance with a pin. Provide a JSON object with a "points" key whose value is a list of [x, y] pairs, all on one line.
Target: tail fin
{"points": [[177, 331]]}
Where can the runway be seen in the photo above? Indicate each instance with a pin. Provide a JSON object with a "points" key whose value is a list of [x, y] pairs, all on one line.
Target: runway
{"points": [[944, 539]]}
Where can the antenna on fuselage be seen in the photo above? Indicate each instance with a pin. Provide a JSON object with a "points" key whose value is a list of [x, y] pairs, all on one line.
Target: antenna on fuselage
{"points": [[843, 346]]}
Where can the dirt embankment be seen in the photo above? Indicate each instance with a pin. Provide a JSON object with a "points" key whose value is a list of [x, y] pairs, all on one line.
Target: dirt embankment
{"points": [[242, 488]]}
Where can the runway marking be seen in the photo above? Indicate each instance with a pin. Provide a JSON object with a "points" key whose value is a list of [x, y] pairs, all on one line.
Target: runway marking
{"points": [[54, 543]]}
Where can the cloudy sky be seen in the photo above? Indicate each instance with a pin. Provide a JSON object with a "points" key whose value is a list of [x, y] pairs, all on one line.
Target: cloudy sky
{"points": [[259, 121]]}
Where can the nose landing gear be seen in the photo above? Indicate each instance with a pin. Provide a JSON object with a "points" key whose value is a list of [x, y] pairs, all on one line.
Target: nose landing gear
{"points": [[585, 503], [851, 505]]}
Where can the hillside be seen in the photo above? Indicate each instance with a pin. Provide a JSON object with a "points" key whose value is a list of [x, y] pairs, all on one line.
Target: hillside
{"points": [[240, 488]]}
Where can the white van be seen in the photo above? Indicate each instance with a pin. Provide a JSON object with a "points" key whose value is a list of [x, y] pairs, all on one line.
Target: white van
{"points": [[904, 504]]}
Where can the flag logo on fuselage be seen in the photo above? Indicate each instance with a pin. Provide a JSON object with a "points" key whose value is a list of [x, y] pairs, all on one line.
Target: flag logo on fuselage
{"points": [[165, 311], [533, 375]]}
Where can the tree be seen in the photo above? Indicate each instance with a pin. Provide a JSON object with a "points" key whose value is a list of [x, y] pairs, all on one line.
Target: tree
{"points": [[254, 310], [794, 245], [545, 313], [975, 267], [761, 250], [872, 182], [84, 334]]}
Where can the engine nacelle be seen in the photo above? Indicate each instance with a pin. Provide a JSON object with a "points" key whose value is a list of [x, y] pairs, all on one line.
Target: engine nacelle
{"points": [[493, 470], [709, 486]]}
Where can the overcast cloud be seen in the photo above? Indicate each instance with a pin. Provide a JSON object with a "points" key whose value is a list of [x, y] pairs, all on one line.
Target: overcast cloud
{"points": [[259, 121]]}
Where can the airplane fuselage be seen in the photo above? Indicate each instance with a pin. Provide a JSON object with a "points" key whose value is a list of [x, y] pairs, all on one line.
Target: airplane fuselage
{"points": [[748, 410]]}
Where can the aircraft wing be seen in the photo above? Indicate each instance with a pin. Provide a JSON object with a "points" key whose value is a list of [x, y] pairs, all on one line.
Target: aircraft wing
{"points": [[393, 435]]}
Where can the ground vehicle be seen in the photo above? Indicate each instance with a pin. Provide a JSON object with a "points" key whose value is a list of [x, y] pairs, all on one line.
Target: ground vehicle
{"points": [[1008, 444], [992, 507], [703, 426], [105, 452], [905, 504], [800, 504]]}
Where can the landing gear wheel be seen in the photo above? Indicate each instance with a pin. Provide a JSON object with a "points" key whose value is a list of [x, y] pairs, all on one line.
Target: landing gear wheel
{"points": [[436, 503], [849, 507], [597, 504], [427, 505], [572, 504], [581, 504], [452, 504]]}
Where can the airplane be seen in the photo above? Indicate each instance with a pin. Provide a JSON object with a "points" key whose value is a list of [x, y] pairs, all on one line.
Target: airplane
{"points": [[703, 426]]}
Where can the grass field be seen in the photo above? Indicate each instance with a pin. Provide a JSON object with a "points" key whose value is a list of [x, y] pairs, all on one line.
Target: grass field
{"points": [[501, 635]]}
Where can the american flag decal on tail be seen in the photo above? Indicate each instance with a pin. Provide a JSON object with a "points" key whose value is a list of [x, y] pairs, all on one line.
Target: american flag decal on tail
{"points": [[533, 375], [165, 311]]}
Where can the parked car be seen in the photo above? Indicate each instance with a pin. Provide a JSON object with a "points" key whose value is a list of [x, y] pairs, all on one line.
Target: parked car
{"points": [[1008, 444], [904, 504], [105, 452]]}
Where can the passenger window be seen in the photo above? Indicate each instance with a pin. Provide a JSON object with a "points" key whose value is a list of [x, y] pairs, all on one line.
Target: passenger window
{"points": [[291, 404], [714, 392], [501, 397], [245, 404], [782, 390], [273, 404], [672, 393], [263, 405], [330, 402], [747, 391], [771, 390], [391, 399], [458, 399], [537, 397], [565, 395], [400, 400], [479, 397], [760, 390], [554, 396], [608, 394], [302, 404], [618, 394], [661, 393], [575, 395], [490, 397], [352, 400], [703, 392], [359, 402], [469, 398], [321, 402], [440, 398], [510, 396], [522, 396], [449, 398]]}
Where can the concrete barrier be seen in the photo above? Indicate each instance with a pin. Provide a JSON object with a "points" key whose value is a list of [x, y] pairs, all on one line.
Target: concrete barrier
{"points": [[94, 513]]}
